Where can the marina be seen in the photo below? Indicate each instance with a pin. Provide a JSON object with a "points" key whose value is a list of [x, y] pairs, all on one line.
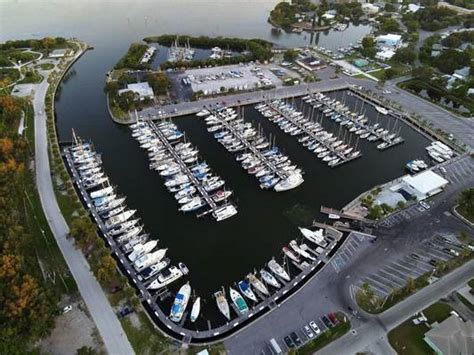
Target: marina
{"points": [[179, 164], [257, 155]]}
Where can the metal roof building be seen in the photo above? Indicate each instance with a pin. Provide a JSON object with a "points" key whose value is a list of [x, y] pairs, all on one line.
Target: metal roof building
{"points": [[425, 184]]}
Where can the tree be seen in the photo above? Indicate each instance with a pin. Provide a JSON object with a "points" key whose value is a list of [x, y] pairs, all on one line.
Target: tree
{"points": [[424, 73], [290, 55], [83, 231], [411, 285], [159, 82], [107, 269], [466, 203], [368, 47], [405, 55], [389, 25]]}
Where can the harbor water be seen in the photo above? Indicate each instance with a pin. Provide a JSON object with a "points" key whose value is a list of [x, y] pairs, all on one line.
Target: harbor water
{"points": [[217, 254]]}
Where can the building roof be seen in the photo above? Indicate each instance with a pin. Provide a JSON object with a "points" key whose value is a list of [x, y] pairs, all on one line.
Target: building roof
{"points": [[385, 54], [452, 336], [390, 37], [425, 182], [58, 52], [142, 89]]}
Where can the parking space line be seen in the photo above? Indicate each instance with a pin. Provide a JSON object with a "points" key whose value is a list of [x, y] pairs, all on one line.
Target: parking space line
{"points": [[391, 277], [378, 289], [390, 269], [380, 285], [409, 271], [393, 284]]}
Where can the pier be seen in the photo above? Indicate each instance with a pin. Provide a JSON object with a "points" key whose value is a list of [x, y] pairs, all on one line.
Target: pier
{"points": [[313, 135], [184, 168], [257, 153]]}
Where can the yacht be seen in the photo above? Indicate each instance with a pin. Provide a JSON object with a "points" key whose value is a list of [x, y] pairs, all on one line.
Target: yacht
{"points": [[382, 110], [195, 309], [278, 270], [154, 269], [139, 239], [291, 182], [193, 205], [224, 212], [269, 278], [129, 233], [123, 227], [120, 218], [257, 284], [246, 290], [165, 278], [149, 259], [141, 249], [102, 192], [238, 301], [222, 303], [300, 251], [221, 195], [289, 253], [316, 237], [180, 303]]}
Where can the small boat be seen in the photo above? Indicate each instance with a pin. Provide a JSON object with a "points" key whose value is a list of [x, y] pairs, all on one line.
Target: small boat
{"points": [[269, 279], [246, 290], [222, 303], [184, 269], [289, 253], [258, 285], [165, 278], [238, 301], [221, 195], [149, 259], [141, 249], [196, 309], [382, 110], [224, 212], [291, 182], [316, 237], [278, 270], [180, 303], [153, 269]]}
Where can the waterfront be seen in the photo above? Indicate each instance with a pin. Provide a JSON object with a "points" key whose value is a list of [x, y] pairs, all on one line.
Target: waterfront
{"points": [[216, 253]]}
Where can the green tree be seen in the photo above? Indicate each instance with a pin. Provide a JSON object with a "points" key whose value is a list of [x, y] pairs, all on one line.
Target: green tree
{"points": [[290, 55], [405, 55], [368, 47], [83, 232]]}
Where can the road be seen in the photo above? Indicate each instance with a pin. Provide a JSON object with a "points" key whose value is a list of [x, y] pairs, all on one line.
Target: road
{"points": [[375, 330], [108, 325]]}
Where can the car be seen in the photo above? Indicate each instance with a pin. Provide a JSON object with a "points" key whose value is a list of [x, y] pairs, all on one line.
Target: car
{"points": [[296, 339], [333, 318], [433, 262], [67, 309], [289, 343], [125, 311], [308, 332], [454, 252], [443, 169], [315, 328], [327, 322], [425, 205]]}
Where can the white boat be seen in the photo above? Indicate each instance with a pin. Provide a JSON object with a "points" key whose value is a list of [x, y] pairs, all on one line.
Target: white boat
{"points": [[141, 249], [129, 234], [382, 110], [180, 303], [195, 204], [292, 255], [222, 303], [300, 251], [291, 182], [238, 301], [269, 278], [224, 212], [196, 309], [258, 285], [246, 290], [149, 259], [316, 236], [153, 269], [165, 278], [120, 218], [102, 192], [278, 270], [203, 113]]}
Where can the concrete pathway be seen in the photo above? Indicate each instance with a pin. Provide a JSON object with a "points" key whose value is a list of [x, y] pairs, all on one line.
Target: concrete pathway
{"points": [[110, 328]]}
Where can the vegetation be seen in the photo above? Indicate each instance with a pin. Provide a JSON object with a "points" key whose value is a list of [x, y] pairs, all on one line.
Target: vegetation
{"points": [[131, 60], [46, 66], [433, 18], [10, 56], [250, 49], [8, 76], [466, 204], [284, 13], [45, 45], [405, 55], [407, 338], [455, 39], [467, 4], [388, 24], [29, 257], [159, 82], [290, 55], [466, 302], [31, 77], [369, 47], [327, 336], [352, 10]]}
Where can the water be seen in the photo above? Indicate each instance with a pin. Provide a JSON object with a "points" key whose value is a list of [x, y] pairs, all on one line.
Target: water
{"points": [[216, 253]]}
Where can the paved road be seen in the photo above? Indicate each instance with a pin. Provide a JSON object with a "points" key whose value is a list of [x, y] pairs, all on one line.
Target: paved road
{"points": [[107, 323], [375, 330]]}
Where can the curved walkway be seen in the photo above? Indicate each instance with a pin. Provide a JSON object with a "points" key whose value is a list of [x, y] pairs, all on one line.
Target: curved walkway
{"points": [[107, 323]]}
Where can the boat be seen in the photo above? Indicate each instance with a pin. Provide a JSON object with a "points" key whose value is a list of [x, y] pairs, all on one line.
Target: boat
{"points": [[203, 113], [258, 285], [129, 233], [278, 270], [149, 259], [246, 290], [195, 310], [120, 218], [221, 195], [141, 249], [291, 182], [180, 303], [224, 212], [165, 278], [382, 110], [102, 192], [269, 278], [289, 253], [193, 205], [238, 301], [316, 237], [334, 216], [222, 303], [123, 227], [154, 269], [300, 251], [184, 269], [140, 239]]}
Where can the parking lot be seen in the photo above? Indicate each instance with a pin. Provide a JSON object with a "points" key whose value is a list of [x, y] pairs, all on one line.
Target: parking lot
{"points": [[406, 214], [458, 171], [355, 244], [422, 260]]}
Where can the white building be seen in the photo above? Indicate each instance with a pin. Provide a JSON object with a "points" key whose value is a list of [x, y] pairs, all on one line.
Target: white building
{"points": [[389, 41], [425, 184], [143, 90], [58, 53], [370, 9], [385, 54]]}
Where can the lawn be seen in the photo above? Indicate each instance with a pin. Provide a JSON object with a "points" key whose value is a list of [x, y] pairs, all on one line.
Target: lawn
{"points": [[466, 302], [471, 283], [407, 338], [45, 66], [327, 337], [31, 77]]}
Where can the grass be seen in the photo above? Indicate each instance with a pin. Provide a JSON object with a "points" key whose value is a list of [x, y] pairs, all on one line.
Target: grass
{"points": [[466, 302], [144, 339], [45, 66], [9, 73], [471, 283], [469, 215], [437, 312], [407, 338], [31, 77], [327, 337]]}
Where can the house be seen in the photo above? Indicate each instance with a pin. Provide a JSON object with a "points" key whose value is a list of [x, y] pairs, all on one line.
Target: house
{"points": [[385, 54], [413, 8], [389, 40], [451, 336], [462, 74], [311, 63], [143, 90], [370, 9], [58, 53]]}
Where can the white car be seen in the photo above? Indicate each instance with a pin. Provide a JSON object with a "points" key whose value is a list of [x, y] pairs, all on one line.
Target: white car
{"points": [[67, 309], [425, 205], [308, 332], [315, 328]]}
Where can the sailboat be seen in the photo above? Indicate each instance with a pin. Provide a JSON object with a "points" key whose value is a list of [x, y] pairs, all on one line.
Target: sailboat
{"points": [[222, 303], [196, 309], [238, 301], [245, 288]]}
